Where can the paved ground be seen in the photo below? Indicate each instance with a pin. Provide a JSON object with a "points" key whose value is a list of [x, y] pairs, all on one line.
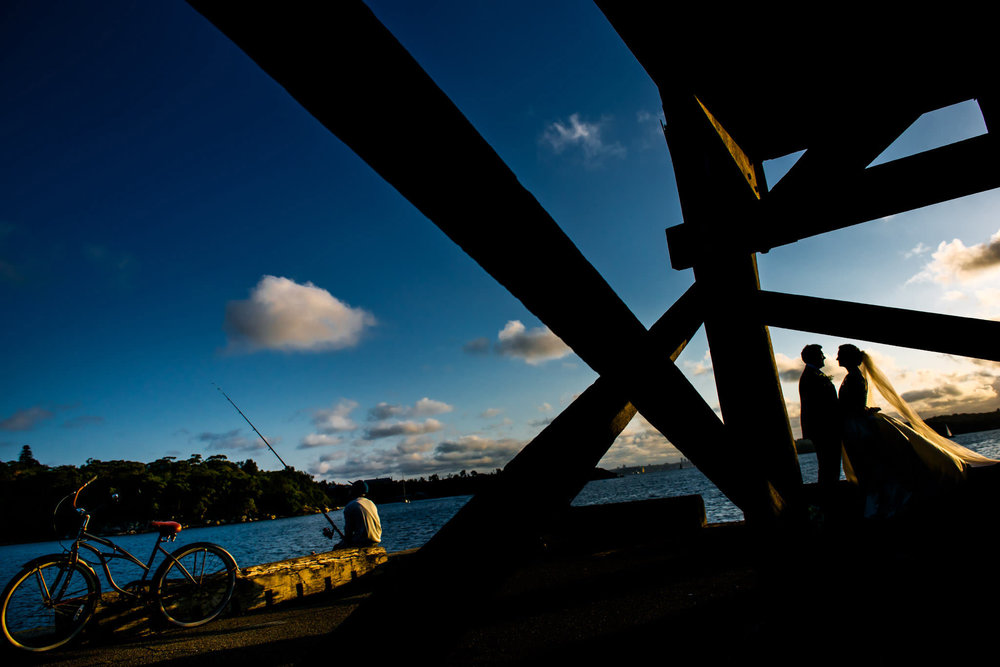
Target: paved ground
{"points": [[273, 637], [552, 605], [867, 597]]}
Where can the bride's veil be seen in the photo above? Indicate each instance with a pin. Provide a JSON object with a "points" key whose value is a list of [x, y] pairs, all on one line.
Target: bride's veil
{"points": [[961, 455]]}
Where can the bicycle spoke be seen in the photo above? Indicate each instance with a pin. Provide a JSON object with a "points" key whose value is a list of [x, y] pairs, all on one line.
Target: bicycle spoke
{"points": [[195, 585]]}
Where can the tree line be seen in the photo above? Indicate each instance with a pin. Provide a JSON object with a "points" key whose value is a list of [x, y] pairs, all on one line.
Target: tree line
{"points": [[193, 491]]}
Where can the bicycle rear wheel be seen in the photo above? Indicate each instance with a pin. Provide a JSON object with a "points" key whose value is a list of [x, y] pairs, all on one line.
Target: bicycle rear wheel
{"points": [[195, 584], [47, 603]]}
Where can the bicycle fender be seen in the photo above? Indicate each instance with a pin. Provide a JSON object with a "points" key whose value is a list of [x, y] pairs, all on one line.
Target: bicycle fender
{"points": [[53, 557]]}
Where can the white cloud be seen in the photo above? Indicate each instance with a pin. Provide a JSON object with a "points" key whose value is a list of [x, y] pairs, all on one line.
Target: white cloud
{"points": [[284, 315], [955, 262], [534, 346], [988, 298], [639, 444], [576, 134], [700, 367], [489, 413], [408, 428], [415, 458], [425, 407], [319, 440], [335, 419], [386, 411], [918, 249], [969, 387], [789, 369]]}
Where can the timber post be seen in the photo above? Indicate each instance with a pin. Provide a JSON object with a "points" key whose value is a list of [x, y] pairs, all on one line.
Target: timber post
{"points": [[719, 185]]}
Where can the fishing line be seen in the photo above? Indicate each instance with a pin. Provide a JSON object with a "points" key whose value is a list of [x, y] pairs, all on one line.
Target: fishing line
{"points": [[287, 467]]}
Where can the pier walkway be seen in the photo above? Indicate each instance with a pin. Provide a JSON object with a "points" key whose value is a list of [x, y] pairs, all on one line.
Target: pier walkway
{"points": [[843, 596]]}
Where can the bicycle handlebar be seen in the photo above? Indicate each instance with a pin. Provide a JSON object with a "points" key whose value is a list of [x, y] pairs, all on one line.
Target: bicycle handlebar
{"points": [[77, 494]]}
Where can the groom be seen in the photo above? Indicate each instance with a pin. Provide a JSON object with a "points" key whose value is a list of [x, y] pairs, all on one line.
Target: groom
{"points": [[820, 416]]}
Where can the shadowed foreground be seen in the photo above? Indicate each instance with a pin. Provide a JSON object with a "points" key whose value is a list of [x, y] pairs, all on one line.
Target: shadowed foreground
{"points": [[850, 593]]}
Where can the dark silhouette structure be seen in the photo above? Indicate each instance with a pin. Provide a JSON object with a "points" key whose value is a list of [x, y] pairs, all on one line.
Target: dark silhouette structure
{"points": [[736, 90], [820, 415]]}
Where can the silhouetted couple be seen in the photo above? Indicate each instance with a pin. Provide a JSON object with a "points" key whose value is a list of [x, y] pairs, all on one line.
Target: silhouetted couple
{"points": [[895, 464]]}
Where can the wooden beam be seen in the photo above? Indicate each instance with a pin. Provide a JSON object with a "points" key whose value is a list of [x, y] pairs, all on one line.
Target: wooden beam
{"points": [[742, 161], [989, 106], [454, 575], [941, 174], [830, 165], [714, 200], [349, 72], [948, 334]]}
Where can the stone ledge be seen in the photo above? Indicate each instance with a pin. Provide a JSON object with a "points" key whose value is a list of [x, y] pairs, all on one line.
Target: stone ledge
{"points": [[257, 587], [264, 585]]}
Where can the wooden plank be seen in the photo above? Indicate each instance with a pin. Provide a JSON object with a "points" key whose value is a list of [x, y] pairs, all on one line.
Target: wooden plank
{"points": [[742, 160], [948, 334], [828, 167], [714, 200], [941, 174], [989, 106]]}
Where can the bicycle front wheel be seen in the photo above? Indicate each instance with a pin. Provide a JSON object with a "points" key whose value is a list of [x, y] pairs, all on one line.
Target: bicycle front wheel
{"points": [[195, 584], [48, 603]]}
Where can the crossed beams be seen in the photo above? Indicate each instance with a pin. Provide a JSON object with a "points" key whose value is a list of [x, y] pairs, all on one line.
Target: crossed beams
{"points": [[828, 204], [350, 73]]}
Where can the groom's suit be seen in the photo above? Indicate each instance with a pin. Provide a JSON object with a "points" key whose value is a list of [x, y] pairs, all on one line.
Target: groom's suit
{"points": [[820, 420]]}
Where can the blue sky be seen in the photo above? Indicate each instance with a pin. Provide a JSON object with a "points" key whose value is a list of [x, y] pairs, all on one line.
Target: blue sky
{"points": [[170, 218]]}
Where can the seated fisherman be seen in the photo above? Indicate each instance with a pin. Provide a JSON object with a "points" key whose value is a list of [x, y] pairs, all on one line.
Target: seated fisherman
{"points": [[362, 527]]}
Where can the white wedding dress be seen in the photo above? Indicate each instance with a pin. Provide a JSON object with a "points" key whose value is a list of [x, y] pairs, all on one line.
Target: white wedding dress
{"points": [[897, 463]]}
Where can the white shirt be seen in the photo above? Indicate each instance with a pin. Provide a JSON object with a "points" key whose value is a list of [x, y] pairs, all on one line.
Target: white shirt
{"points": [[361, 522]]}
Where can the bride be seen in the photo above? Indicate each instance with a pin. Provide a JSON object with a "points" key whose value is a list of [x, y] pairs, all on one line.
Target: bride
{"points": [[897, 465]]}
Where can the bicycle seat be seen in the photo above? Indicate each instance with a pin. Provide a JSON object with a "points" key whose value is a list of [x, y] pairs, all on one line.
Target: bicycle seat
{"points": [[166, 527]]}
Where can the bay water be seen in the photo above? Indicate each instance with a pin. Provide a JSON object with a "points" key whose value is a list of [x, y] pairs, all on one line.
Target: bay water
{"points": [[410, 525]]}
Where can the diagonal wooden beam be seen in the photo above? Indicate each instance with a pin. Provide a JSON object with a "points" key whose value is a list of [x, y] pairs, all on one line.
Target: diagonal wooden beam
{"points": [[455, 573], [963, 336], [712, 185], [941, 174], [830, 165], [964, 168], [349, 72]]}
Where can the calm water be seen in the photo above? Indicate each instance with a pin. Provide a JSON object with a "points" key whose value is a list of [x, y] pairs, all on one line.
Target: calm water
{"points": [[409, 525]]}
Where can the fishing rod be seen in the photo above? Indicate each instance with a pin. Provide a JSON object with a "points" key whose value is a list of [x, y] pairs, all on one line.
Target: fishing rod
{"points": [[325, 531]]}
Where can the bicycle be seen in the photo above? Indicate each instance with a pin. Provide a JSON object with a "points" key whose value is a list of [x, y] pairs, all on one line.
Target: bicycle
{"points": [[52, 598]]}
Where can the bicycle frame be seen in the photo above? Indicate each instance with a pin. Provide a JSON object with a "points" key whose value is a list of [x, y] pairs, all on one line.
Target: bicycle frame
{"points": [[84, 540]]}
